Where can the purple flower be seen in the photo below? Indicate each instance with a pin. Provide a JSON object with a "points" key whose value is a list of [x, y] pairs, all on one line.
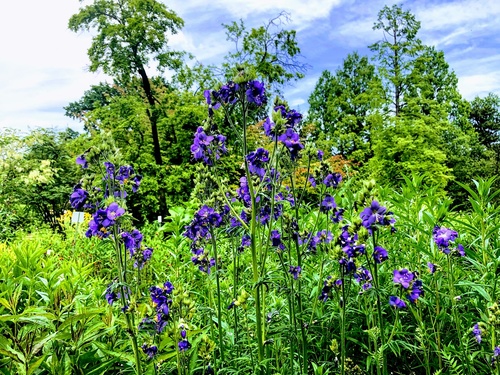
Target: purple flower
{"points": [[291, 141], [124, 173], [256, 161], [211, 107], [269, 128], [443, 236], [403, 277], [476, 331], [161, 300], [332, 180], [363, 275], [397, 302], [256, 93], [417, 290], [328, 203], [320, 155], [432, 267], [114, 211], [227, 94], [246, 241], [207, 147], [99, 225], [327, 287], [380, 254], [295, 271], [78, 198], [375, 215], [350, 244], [136, 182], [150, 351], [275, 238], [80, 160], [110, 170], [132, 241]]}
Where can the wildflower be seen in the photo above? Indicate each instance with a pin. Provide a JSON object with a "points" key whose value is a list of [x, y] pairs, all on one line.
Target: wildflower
{"points": [[110, 170], [162, 302], [132, 241], [403, 277], [397, 302], [184, 343], [269, 128], [114, 211], [380, 254], [246, 241], [363, 275], [328, 203], [99, 224], [78, 198], [256, 161], [417, 290], [227, 94], [320, 155], [327, 287], [432, 267], [80, 160], [375, 214], [291, 141], [476, 331], [150, 351], [136, 182], [211, 107], [256, 93], [295, 271], [350, 244], [443, 236], [292, 117], [332, 180]]}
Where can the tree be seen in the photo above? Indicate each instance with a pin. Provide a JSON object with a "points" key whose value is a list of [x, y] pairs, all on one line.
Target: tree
{"points": [[485, 118], [396, 52], [272, 52], [131, 33], [345, 107]]}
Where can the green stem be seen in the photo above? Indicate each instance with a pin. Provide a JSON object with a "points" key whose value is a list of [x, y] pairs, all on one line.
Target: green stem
{"points": [[219, 308]]}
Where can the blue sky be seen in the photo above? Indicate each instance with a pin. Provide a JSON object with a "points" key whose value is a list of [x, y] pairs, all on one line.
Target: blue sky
{"points": [[43, 64]]}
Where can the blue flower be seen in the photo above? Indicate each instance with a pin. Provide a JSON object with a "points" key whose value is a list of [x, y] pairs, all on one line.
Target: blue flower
{"points": [[476, 331], [380, 254], [78, 198], [403, 277], [295, 271], [80, 160], [256, 93], [257, 160], [150, 351], [397, 302]]}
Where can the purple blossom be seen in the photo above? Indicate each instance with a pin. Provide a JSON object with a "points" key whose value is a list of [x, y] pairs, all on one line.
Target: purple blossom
{"points": [[476, 331], [78, 198], [403, 277], [443, 236], [375, 215], [417, 290], [124, 173], [80, 160], [161, 300], [257, 160], [150, 351], [332, 180], [328, 203], [208, 98], [327, 287], [291, 141], [110, 170], [136, 182], [208, 147], [114, 211], [380, 254], [246, 240], [432, 267], [295, 271], [320, 155], [99, 225], [256, 93], [363, 275], [227, 94], [269, 128], [397, 302], [132, 241]]}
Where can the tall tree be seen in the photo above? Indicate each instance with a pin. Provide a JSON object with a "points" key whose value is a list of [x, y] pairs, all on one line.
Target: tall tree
{"points": [[396, 52], [131, 33], [345, 107], [271, 51]]}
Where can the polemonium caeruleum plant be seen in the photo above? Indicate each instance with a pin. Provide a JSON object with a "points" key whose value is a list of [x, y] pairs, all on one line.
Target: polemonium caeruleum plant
{"points": [[111, 222]]}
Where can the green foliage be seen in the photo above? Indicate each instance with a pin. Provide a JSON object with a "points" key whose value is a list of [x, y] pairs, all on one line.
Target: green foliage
{"points": [[270, 50], [346, 107], [129, 35]]}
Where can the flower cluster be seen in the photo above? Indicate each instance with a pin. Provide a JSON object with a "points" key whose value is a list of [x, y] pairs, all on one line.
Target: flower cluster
{"points": [[476, 331], [150, 351], [295, 271], [183, 344], [161, 300], [444, 238], [208, 147], [257, 161], [103, 219], [79, 197], [376, 215], [363, 276], [409, 282], [198, 231], [349, 243]]}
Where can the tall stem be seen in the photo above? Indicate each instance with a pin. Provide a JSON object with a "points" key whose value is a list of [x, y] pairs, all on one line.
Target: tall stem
{"points": [[219, 309]]}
